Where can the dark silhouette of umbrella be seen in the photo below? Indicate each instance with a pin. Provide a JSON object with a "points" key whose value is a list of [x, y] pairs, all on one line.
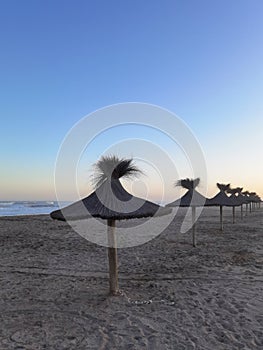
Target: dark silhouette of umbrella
{"points": [[222, 200], [241, 199], [255, 200], [247, 200], [251, 199], [235, 196], [191, 198], [111, 202]]}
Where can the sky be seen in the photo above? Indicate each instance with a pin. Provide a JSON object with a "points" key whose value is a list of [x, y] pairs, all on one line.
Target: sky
{"points": [[62, 60]]}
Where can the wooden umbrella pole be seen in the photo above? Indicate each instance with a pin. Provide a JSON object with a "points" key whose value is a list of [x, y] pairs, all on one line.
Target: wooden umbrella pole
{"points": [[113, 258], [221, 217], [193, 226], [234, 215]]}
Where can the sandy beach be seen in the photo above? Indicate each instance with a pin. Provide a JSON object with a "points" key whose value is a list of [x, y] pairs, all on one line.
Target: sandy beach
{"points": [[54, 287]]}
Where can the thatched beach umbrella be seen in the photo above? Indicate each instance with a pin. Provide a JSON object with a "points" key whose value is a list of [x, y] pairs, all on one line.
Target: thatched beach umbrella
{"points": [[254, 199], [111, 202], [251, 201], [242, 199], [257, 200], [222, 200], [234, 195], [192, 199], [245, 195]]}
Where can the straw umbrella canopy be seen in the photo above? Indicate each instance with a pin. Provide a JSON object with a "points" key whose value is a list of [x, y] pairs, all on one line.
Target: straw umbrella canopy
{"points": [[239, 197], [222, 200], [111, 202], [192, 198]]}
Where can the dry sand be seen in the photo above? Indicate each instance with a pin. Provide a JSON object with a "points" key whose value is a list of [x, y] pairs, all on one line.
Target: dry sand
{"points": [[54, 288]]}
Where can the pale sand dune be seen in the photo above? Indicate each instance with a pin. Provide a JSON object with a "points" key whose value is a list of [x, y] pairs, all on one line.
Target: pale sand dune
{"points": [[54, 288]]}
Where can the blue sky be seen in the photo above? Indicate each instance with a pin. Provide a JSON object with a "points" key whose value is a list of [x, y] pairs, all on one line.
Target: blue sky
{"points": [[61, 60]]}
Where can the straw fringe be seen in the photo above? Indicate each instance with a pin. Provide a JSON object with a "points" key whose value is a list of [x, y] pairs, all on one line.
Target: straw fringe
{"points": [[223, 187], [112, 167], [189, 184]]}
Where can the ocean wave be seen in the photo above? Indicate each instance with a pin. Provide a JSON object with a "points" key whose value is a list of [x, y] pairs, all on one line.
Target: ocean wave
{"points": [[6, 204], [41, 204], [27, 207]]}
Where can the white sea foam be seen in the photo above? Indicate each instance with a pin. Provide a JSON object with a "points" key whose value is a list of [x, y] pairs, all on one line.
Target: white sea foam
{"points": [[14, 208], [6, 204]]}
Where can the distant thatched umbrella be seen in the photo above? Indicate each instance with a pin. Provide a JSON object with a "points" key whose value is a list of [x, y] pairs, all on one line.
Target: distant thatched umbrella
{"points": [[245, 195], [221, 200], [235, 196], [192, 199], [110, 201], [254, 199], [241, 198], [251, 201], [257, 200]]}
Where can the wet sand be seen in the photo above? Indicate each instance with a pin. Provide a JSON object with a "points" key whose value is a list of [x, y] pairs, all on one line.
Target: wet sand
{"points": [[54, 288]]}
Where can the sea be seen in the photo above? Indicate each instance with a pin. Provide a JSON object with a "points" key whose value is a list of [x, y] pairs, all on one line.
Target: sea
{"points": [[14, 208]]}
